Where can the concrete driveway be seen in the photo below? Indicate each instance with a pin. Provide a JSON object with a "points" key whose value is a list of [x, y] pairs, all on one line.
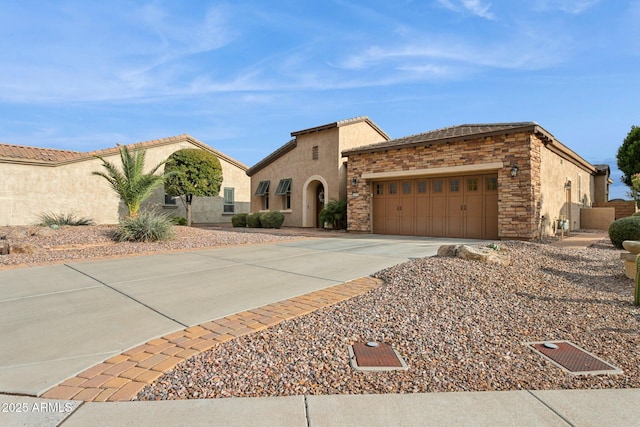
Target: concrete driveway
{"points": [[58, 320]]}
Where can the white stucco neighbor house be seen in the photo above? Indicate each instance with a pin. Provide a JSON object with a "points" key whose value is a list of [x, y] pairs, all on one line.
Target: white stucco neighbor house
{"points": [[35, 180]]}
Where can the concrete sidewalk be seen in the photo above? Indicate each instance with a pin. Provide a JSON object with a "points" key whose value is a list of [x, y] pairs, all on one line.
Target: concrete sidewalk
{"points": [[501, 408]]}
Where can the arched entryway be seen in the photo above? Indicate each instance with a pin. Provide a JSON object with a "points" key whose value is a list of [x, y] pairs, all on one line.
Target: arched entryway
{"points": [[314, 194]]}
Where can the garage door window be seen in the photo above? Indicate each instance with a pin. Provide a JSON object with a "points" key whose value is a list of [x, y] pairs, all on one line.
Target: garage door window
{"points": [[472, 184], [379, 189], [437, 186], [393, 188], [422, 187], [492, 184], [454, 185], [406, 188]]}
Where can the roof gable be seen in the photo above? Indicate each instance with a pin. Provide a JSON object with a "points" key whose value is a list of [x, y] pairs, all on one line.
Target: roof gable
{"points": [[284, 149], [52, 157]]}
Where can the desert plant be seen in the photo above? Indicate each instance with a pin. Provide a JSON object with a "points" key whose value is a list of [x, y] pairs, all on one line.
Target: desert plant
{"points": [[192, 172], [253, 220], [148, 226], [239, 220], [272, 219], [179, 220], [335, 213], [624, 229], [131, 183], [48, 219]]}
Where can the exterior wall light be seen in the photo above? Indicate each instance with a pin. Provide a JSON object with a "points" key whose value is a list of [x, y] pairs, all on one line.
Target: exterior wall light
{"points": [[354, 181], [567, 185], [514, 171]]}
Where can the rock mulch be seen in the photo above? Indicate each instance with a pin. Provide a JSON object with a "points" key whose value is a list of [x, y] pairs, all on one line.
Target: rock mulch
{"points": [[47, 245], [459, 324]]}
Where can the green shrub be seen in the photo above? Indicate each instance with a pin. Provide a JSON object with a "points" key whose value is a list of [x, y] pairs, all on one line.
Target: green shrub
{"points": [[178, 220], [272, 219], [636, 214], [146, 227], [48, 219], [253, 220], [624, 229], [334, 212], [239, 220]]}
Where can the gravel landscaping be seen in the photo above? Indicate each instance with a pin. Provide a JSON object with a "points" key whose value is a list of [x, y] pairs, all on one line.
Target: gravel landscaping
{"points": [[86, 242], [460, 325]]}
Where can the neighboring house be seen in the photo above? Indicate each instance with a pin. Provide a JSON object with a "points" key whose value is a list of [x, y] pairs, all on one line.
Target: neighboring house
{"points": [[38, 180], [490, 181], [300, 176]]}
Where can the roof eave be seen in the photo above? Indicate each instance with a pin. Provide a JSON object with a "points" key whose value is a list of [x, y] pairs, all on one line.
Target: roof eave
{"points": [[284, 149], [452, 139]]}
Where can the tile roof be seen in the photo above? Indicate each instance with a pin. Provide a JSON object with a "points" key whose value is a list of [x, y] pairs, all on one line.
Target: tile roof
{"points": [[448, 134], [341, 123], [53, 157], [474, 131]]}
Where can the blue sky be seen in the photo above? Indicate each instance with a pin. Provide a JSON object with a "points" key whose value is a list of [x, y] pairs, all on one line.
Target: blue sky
{"points": [[241, 75]]}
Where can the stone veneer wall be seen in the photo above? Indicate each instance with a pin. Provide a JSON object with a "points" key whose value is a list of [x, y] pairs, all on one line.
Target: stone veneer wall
{"points": [[518, 198]]}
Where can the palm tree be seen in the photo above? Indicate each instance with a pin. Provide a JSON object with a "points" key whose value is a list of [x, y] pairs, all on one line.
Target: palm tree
{"points": [[131, 183]]}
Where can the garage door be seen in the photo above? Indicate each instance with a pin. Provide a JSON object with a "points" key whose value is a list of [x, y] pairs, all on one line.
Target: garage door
{"points": [[456, 206]]}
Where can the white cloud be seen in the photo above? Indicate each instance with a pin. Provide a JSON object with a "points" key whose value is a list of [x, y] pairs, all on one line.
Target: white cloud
{"points": [[574, 7], [475, 7]]}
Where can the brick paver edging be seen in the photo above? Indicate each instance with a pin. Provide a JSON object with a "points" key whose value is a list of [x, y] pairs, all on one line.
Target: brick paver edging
{"points": [[122, 377]]}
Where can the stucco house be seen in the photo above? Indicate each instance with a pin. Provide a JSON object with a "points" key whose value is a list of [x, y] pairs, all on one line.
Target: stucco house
{"points": [[491, 181], [301, 175], [38, 180]]}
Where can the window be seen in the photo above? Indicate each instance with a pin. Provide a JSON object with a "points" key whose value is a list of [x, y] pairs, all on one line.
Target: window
{"points": [[263, 188], [406, 188], [437, 186], [229, 205], [314, 152], [168, 200], [454, 185], [492, 184], [284, 190], [472, 184], [393, 188], [263, 191], [422, 187], [379, 189]]}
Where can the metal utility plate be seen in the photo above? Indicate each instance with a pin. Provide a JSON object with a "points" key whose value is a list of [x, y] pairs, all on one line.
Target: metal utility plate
{"points": [[380, 358], [573, 359]]}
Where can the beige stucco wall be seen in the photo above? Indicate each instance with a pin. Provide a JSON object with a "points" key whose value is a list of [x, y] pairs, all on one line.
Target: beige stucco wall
{"points": [[597, 218], [298, 165], [555, 201], [27, 190], [305, 172]]}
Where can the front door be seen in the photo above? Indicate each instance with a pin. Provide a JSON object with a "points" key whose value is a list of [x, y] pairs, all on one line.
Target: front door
{"points": [[319, 204]]}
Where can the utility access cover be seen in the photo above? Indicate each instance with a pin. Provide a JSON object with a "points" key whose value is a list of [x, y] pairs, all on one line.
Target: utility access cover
{"points": [[572, 359], [374, 356]]}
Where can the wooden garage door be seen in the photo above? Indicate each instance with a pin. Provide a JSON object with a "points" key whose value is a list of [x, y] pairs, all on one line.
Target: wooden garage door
{"points": [[456, 206]]}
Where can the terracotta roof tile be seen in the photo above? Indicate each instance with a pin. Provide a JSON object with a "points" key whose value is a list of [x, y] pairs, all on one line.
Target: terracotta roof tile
{"points": [[445, 134], [51, 156]]}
